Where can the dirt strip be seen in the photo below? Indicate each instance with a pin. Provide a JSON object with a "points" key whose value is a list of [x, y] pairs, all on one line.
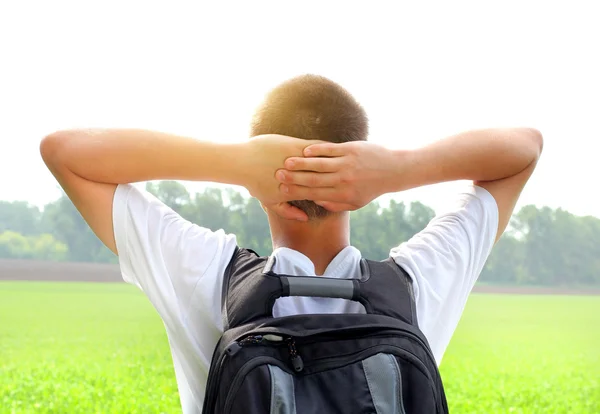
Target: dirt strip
{"points": [[530, 290], [41, 271], [58, 272]]}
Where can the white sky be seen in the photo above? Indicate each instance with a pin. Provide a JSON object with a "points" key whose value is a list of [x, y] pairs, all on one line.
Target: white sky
{"points": [[421, 71]]}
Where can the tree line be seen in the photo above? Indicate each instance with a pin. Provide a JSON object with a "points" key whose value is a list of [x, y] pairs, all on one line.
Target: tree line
{"points": [[543, 246]]}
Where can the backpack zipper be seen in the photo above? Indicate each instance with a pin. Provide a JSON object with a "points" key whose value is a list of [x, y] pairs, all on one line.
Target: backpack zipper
{"points": [[295, 358], [275, 340], [260, 360]]}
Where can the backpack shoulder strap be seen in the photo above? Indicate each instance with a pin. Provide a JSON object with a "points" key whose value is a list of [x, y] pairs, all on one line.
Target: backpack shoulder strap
{"points": [[388, 291], [250, 289], [245, 291]]}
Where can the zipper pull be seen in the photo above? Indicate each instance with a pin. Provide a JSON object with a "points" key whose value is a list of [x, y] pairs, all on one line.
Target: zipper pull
{"points": [[273, 338], [296, 359], [251, 340]]}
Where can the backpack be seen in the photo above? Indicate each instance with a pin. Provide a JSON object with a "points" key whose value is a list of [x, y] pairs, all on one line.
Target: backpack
{"points": [[373, 363]]}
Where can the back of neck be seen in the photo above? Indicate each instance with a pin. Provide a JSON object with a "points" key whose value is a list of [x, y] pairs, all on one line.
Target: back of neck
{"points": [[320, 240]]}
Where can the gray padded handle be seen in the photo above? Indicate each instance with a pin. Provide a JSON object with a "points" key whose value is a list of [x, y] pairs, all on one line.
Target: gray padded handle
{"points": [[319, 287]]}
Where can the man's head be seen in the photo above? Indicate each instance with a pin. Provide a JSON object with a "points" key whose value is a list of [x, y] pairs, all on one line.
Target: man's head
{"points": [[311, 107]]}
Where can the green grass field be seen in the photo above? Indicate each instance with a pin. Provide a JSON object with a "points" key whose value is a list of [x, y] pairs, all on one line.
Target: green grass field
{"points": [[101, 348]]}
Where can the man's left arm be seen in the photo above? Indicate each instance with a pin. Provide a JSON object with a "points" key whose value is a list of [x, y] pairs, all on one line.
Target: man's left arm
{"points": [[347, 176]]}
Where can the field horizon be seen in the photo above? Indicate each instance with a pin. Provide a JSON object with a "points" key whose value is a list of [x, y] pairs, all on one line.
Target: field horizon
{"points": [[49, 271]]}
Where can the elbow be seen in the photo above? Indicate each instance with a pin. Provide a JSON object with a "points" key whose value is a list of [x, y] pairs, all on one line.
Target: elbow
{"points": [[53, 147], [535, 142]]}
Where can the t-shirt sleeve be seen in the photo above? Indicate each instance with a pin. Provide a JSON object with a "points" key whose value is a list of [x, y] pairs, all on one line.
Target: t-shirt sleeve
{"points": [[445, 260], [175, 263]]}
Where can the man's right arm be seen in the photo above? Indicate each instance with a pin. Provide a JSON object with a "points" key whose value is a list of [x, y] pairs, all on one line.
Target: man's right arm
{"points": [[89, 164]]}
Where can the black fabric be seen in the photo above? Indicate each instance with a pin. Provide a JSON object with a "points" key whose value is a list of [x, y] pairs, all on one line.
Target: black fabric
{"points": [[322, 354], [327, 391], [245, 292], [254, 392], [389, 291]]}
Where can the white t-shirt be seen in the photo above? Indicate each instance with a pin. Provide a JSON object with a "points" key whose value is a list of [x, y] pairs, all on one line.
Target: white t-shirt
{"points": [[179, 266]]}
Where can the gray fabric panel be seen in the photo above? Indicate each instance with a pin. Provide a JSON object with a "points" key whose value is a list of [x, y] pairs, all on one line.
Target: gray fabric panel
{"points": [[399, 386], [283, 400], [321, 287], [385, 383]]}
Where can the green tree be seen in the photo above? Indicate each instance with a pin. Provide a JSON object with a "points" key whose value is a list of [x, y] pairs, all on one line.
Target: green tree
{"points": [[19, 216], [375, 230], [172, 193], [367, 231], [208, 209], [505, 264], [253, 231], [64, 222], [14, 245]]}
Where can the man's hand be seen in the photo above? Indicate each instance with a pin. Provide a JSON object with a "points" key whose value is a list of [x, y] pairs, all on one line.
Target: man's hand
{"points": [[340, 177], [262, 156]]}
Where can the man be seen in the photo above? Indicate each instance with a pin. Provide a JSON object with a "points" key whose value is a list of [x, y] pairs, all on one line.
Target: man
{"points": [[179, 265]]}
